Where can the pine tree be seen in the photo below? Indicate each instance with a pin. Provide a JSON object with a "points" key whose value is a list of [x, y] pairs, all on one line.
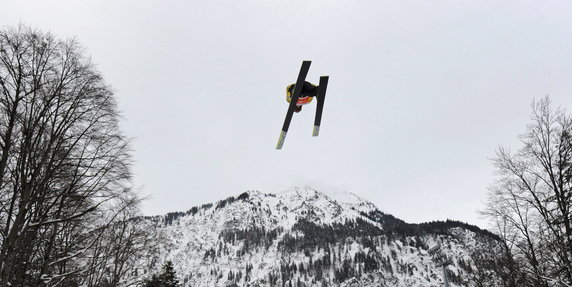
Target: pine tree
{"points": [[153, 282], [169, 277]]}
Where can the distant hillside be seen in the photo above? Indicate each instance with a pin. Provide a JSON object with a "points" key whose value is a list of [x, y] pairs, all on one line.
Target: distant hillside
{"points": [[304, 237]]}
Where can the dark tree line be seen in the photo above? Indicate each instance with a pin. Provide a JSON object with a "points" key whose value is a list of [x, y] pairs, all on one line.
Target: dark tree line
{"points": [[399, 227], [317, 235], [251, 238], [336, 263]]}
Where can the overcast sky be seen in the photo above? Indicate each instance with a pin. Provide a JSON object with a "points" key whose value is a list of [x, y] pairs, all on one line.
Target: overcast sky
{"points": [[421, 93]]}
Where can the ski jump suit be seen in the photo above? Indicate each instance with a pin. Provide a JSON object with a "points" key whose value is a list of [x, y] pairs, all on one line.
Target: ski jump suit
{"points": [[309, 91]]}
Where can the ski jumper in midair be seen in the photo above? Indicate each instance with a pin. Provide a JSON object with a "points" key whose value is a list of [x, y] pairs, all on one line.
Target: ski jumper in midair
{"points": [[303, 93], [309, 91]]}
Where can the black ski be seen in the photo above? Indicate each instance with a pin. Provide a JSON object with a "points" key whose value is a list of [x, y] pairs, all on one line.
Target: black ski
{"points": [[297, 91], [320, 106]]}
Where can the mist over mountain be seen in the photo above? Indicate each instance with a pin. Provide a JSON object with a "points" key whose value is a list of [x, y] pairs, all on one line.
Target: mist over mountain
{"points": [[306, 237]]}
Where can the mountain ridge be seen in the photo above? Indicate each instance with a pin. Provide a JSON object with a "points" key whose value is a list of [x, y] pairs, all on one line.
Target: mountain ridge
{"points": [[254, 238]]}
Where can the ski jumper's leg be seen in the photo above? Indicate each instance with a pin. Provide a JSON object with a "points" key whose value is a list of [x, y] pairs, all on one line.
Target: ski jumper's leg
{"points": [[309, 90]]}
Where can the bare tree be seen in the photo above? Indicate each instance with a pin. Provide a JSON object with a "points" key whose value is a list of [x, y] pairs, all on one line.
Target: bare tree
{"points": [[496, 267], [117, 260], [64, 165], [531, 201]]}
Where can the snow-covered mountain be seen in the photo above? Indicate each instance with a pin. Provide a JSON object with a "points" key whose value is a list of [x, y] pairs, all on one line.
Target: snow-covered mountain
{"points": [[304, 237]]}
